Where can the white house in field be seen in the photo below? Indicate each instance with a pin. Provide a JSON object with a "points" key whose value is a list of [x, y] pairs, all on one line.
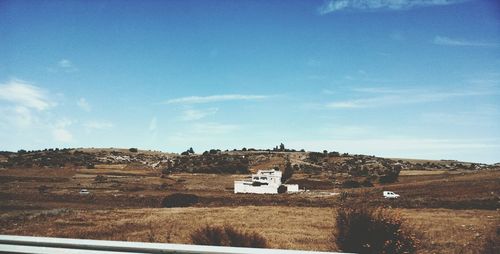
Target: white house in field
{"points": [[264, 182]]}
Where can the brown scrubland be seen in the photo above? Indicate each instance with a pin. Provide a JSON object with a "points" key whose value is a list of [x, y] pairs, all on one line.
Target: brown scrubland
{"points": [[452, 205]]}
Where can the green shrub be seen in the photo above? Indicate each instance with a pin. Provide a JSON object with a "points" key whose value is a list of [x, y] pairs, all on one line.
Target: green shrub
{"points": [[133, 150], [370, 230], [282, 189], [180, 200], [227, 236]]}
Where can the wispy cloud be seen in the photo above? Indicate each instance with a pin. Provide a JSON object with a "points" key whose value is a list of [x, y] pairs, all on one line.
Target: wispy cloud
{"points": [[197, 114], [22, 93], [62, 135], [370, 5], [60, 131], [63, 65], [213, 128], [98, 125], [153, 124], [446, 41], [215, 98], [66, 65], [83, 104], [388, 97]]}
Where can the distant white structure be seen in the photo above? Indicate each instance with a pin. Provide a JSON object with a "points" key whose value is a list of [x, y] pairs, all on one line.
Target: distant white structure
{"points": [[264, 182]]}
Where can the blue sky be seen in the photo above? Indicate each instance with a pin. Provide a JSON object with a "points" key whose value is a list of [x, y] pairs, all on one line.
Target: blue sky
{"points": [[413, 79]]}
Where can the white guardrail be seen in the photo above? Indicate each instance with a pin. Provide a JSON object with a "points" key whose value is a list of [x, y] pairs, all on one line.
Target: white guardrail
{"points": [[46, 245]]}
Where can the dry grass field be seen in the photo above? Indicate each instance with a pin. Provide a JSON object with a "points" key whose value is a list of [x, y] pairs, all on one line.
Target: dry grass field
{"points": [[303, 228]]}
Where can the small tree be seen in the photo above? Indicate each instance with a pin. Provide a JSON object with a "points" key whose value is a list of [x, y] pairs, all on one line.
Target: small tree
{"points": [[282, 147], [190, 150], [287, 172], [133, 150]]}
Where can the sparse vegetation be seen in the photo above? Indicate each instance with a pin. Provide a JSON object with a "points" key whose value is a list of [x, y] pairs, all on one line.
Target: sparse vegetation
{"points": [[180, 200], [100, 179], [227, 236], [451, 202], [362, 229], [390, 177], [287, 172], [491, 244], [351, 184]]}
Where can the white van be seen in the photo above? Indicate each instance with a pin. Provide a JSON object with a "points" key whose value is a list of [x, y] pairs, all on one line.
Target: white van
{"points": [[390, 194], [84, 192]]}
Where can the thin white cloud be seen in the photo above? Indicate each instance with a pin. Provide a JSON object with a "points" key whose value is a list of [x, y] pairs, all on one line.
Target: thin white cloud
{"points": [[446, 41], [62, 135], [370, 5], [24, 94], [197, 114], [389, 97], [66, 65], [215, 98], [213, 128], [153, 124], [60, 131], [17, 117], [98, 125], [83, 104]]}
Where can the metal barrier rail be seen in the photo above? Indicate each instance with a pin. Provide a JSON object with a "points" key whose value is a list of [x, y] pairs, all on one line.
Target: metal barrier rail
{"points": [[46, 245]]}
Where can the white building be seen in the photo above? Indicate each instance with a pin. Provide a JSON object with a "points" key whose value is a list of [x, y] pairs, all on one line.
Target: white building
{"points": [[264, 182]]}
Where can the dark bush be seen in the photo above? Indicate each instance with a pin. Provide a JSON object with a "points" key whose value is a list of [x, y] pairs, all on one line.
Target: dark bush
{"points": [[364, 229], [282, 189], [133, 150], [390, 177], [227, 236], [180, 200], [351, 184], [343, 196], [367, 183], [316, 157], [43, 189], [100, 179], [492, 242]]}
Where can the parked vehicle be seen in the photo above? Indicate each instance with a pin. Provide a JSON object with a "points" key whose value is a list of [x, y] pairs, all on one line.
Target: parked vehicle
{"points": [[84, 192], [390, 194]]}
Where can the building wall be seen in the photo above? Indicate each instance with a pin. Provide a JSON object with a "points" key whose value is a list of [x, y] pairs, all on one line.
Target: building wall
{"points": [[292, 187], [247, 187]]}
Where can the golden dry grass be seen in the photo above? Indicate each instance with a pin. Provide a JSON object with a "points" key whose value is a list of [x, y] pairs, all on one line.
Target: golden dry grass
{"points": [[307, 228]]}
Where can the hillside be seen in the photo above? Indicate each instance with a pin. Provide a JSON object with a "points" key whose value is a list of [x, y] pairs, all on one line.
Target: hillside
{"points": [[236, 161], [39, 193]]}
